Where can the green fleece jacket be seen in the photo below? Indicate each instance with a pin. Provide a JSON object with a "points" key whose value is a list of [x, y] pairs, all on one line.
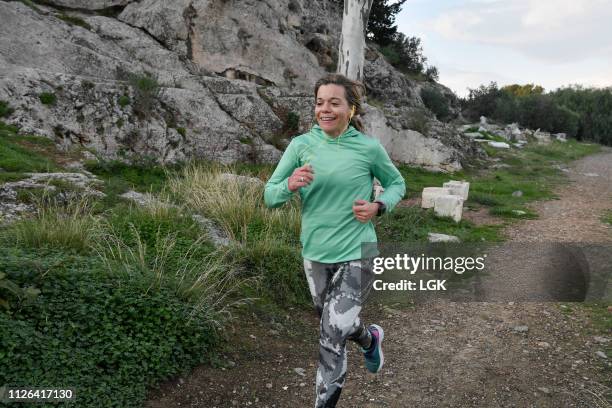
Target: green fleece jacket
{"points": [[344, 169]]}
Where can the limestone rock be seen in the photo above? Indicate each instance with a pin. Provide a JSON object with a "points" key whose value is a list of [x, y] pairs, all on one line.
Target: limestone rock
{"points": [[435, 237], [88, 4], [411, 147]]}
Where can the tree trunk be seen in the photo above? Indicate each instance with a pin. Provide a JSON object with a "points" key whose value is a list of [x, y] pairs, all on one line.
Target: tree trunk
{"points": [[352, 41]]}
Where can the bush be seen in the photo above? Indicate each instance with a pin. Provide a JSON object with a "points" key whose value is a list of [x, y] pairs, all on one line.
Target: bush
{"points": [[123, 101], [108, 339], [47, 98], [419, 121], [5, 109], [293, 121], [436, 102], [146, 90]]}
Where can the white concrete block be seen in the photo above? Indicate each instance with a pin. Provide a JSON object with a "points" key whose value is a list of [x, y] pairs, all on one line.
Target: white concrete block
{"points": [[449, 206], [429, 195], [460, 188]]}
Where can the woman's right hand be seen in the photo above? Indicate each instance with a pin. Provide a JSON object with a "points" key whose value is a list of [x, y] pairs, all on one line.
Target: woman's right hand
{"points": [[302, 176]]}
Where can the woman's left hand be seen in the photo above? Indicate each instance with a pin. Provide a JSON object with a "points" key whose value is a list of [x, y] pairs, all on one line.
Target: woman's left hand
{"points": [[364, 210]]}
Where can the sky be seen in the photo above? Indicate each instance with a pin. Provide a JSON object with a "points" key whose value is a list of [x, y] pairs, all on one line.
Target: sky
{"points": [[552, 43]]}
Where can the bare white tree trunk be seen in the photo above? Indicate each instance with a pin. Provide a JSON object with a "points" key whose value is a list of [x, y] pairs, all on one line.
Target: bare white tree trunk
{"points": [[352, 41]]}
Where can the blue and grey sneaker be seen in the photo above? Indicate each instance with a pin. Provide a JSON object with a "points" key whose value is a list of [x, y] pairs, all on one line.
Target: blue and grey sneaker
{"points": [[374, 358]]}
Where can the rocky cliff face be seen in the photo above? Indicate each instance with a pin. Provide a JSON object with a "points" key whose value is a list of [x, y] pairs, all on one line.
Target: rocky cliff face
{"points": [[226, 80]]}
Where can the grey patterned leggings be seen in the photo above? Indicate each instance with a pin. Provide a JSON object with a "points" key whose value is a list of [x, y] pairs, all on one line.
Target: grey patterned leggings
{"points": [[338, 291]]}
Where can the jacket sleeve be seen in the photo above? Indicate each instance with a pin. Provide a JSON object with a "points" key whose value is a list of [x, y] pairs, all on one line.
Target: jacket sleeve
{"points": [[277, 191], [390, 178]]}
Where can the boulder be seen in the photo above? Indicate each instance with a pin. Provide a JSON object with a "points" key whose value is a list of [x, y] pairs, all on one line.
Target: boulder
{"points": [[411, 147]]}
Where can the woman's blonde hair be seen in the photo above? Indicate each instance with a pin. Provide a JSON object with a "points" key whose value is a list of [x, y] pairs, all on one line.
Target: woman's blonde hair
{"points": [[353, 91]]}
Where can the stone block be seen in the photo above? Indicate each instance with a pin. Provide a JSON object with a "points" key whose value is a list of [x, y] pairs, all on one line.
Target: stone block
{"points": [[499, 145], [460, 188], [429, 195], [449, 206]]}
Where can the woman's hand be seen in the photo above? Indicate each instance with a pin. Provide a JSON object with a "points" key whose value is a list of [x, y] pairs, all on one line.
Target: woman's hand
{"points": [[302, 176], [364, 210]]}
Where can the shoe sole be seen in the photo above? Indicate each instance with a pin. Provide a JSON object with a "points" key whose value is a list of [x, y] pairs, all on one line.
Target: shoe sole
{"points": [[381, 337]]}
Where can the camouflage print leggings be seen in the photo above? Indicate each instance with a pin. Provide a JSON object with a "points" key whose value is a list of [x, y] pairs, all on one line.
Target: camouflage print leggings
{"points": [[338, 294]]}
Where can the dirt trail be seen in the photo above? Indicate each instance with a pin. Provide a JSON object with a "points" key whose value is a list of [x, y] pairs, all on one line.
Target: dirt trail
{"points": [[439, 353]]}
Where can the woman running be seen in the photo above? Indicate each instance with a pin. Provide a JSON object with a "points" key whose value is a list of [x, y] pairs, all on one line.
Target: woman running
{"points": [[333, 167]]}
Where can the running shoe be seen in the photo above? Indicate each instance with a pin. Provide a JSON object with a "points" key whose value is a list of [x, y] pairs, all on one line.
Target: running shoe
{"points": [[374, 358]]}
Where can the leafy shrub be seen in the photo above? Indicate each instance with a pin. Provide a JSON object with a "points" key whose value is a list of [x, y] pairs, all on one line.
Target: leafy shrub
{"points": [[293, 121], [108, 339], [123, 101], [419, 121], [146, 91], [47, 98], [435, 101], [5, 109], [182, 131]]}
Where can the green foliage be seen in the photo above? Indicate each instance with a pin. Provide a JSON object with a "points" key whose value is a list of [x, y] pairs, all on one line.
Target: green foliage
{"points": [[55, 225], [107, 338], [523, 90], [16, 158], [5, 109], [585, 114], [182, 131], [381, 24], [278, 267], [11, 292], [419, 121], [293, 121], [47, 98], [142, 175], [607, 217], [406, 54], [142, 226], [74, 20], [436, 102], [412, 224], [146, 90], [123, 101]]}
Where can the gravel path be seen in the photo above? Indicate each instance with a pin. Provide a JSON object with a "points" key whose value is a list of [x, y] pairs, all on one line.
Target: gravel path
{"points": [[440, 353]]}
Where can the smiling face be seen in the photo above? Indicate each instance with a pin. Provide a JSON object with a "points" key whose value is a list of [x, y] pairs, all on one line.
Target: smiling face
{"points": [[332, 109]]}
